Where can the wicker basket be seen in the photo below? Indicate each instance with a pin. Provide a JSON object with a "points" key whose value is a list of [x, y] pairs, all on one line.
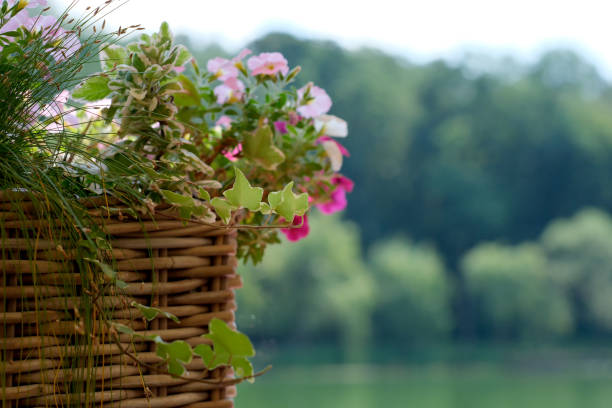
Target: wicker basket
{"points": [[188, 270]]}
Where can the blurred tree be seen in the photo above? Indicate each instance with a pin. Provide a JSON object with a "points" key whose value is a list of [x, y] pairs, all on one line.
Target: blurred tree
{"points": [[318, 288], [514, 294], [413, 301], [580, 253]]}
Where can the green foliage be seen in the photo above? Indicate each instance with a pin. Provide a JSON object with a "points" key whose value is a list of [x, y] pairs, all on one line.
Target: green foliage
{"points": [[316, 288], [242, 195], [229, 348], [513, 292], [413, 292], [151, 313], [259, 147], [93, 89], [580, 253], [287, 203]]}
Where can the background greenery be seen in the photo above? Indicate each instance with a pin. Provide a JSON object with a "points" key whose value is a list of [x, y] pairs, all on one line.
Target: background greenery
{"points": [[479, 217]]}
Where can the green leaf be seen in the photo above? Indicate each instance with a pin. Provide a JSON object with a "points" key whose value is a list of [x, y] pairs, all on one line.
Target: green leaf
{"points": [[212, 359], [242, 194], [236, 343], [242, 367], [203, 194], [189, 95], [121, 328], [106, 269], [151, 313], [288, 204], [93, 89], [265, 208], [112, 55], [121, 284], [223, 208], [174, 353], [183, 56], [178, 199], [258, 147]]}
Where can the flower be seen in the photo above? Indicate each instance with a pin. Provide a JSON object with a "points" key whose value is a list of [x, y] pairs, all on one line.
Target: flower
{"points": [[338, 196], [317, 103], [340, 146], [331, 125], [224, 121], [281, 126], [334, 153], [231, 155], [222, 68], [297, 233], [229, 91], [268, 63]]}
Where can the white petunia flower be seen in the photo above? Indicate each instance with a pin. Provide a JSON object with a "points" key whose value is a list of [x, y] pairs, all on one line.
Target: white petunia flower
{"points": [[331, 125]]}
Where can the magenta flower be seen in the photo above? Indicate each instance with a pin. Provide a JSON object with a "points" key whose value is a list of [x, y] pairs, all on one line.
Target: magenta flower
{"points": [[297, 233], [230, 90], [224, 121], [337, 200], [232, 155], [316, 103], [268, 63], [281, 126]]}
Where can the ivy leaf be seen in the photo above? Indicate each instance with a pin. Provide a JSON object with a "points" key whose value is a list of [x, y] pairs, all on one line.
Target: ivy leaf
{"points": [[178, 199], [203, 194], [287, 203], [93, 89], [121, 284], [236, 343], [174, 353], [121, 328], [212, 359], [265, 208], [258, 147], [106, 269], [151, 313], [242, 194], [243, 368], [223, 208]]}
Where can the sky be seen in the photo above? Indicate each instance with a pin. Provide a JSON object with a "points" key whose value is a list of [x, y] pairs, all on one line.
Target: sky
{"points": [[419, 30]]}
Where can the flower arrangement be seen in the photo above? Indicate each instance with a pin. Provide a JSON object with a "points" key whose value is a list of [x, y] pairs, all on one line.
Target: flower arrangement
{"points": [[156, 132], [199, 130]]}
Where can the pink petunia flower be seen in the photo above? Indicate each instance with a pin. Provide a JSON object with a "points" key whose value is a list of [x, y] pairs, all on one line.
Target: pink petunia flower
{"points": [[222, 68], [268, 63], [230, 90], [295, 234], [317, 104], [232, 155], [281, 126], [241, 55], [337, 200], [224, 121]]}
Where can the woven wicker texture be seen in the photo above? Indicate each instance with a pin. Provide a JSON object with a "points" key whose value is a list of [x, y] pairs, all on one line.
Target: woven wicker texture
{"points": [[188, 270]]}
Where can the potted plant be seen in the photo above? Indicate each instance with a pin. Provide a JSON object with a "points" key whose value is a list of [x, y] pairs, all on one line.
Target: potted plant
{"points": [[133, 198]]}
